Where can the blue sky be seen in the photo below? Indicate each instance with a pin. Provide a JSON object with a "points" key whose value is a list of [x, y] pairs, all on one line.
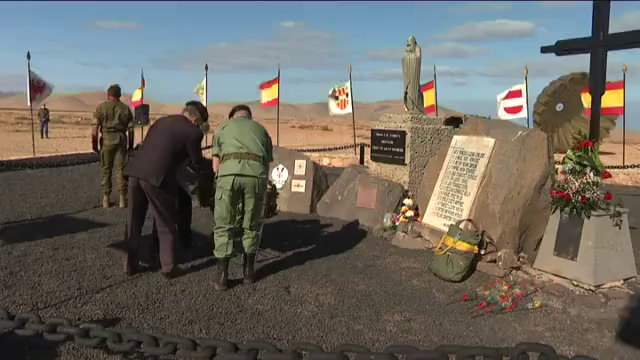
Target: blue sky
{"points": [[480, 48]]}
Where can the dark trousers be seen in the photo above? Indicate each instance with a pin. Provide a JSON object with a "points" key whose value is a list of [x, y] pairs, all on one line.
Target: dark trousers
{"points": [[162, 203], [184, 214], [44, 129]]}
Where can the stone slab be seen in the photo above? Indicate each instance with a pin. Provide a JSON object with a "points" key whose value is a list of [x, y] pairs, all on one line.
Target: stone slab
{"points": [[512, 204], [341, 200], [426, 135], [303, 181], [459, 180], [605, 252]]}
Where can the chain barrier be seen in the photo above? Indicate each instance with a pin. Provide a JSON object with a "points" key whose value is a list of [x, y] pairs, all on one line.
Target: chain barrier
{"points": [[613, 167], [58, 161], [131, 341]]}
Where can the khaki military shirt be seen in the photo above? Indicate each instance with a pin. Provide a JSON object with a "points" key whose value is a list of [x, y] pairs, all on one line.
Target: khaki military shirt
{"points": [[242, 135], [113, 116]]}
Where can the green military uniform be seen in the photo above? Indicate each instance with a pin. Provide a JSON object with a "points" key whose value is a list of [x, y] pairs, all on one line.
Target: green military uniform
{"points": [[245, 151], [114, 119]]}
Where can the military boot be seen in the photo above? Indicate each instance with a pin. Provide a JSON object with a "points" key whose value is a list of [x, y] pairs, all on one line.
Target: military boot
{"points": [[222, 271], [123, 200], [105, 201], [248, 262]]}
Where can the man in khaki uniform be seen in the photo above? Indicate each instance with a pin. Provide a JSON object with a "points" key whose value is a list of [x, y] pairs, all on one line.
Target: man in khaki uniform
{"points": [[114, 120], [242, 150]]}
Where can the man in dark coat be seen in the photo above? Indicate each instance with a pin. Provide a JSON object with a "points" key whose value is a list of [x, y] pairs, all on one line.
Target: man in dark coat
{"points": [[153, 182]]}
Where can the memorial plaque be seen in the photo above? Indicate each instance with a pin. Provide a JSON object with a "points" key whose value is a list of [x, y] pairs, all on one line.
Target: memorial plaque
{"points": [[568, 236], [298, 186], [141, 115], [388, 146], [459, 181], [367, 196]]}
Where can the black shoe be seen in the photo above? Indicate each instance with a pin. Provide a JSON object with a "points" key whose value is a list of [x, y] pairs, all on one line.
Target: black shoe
{"points": [[222, 271], [248, 262], [131, 268], [172, 274]]}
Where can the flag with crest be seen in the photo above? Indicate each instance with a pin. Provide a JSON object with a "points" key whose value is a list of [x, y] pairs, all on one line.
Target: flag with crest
{"points": [[37, 89], [201, 91], [340, 99]]}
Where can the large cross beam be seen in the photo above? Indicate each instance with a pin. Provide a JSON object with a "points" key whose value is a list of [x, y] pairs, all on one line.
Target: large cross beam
{"points": [[598, 44]]}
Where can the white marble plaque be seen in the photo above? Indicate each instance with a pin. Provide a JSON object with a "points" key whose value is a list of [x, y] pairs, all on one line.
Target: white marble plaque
{"points": [[298, 185], [459, 181], [300, 167]]}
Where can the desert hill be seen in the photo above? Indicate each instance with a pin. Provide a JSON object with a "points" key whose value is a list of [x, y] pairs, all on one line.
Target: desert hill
{"points": [[87, 102]]}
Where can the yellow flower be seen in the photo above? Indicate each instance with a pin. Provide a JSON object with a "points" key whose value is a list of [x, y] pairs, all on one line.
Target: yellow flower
{"points": [[537, 304], [404, 209]]}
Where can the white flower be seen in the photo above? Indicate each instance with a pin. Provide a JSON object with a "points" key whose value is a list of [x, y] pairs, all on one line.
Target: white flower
{"points": [[407, 202], [409, 213]]}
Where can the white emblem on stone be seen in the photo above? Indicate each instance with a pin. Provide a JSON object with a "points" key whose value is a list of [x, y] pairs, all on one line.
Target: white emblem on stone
{"points": [[559, 107], [279, 175], [300, 167], [298, 185]]}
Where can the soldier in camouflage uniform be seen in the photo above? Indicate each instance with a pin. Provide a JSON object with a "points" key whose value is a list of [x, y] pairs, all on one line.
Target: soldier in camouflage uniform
{"points": [[114, 120], [242, 150]]}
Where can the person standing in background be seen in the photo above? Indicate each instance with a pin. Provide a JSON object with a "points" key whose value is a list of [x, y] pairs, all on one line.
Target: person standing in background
{"points": [[114, 120], [43, 114]]}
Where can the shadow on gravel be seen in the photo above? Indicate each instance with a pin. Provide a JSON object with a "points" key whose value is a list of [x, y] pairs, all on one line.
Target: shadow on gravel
{"points": [[46, 228], [306, 240], [16, 347], [629, 326]]}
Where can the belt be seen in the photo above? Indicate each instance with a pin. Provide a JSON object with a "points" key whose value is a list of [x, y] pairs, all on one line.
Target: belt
{"points": [[241, 156], [114, 131]]}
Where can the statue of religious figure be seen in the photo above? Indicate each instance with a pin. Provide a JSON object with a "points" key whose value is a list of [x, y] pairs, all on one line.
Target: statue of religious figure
{"points": [[411, 63]]}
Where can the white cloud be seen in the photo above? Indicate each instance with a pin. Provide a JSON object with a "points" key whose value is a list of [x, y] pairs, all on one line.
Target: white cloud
{"points": [[554, 4], [290, 24], [111, 24], [481, 6], [294, 47], [446, 50], [630, 20], [500, 29], [459, 82]]}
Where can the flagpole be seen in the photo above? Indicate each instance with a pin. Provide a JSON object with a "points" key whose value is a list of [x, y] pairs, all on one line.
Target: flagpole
{"points": [[141, 102], [526, 90], [624, 110], [278, 111], [206, 96], [353, 112], [33, 136], [435, 89]]}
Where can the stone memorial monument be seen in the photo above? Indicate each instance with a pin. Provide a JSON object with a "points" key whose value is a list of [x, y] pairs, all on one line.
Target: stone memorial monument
{"points": [[459, 180], [411, 65]]}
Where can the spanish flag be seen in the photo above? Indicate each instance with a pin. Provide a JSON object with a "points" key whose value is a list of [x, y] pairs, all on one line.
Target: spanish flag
{"points": [[269, 93], [612, 99], [429, 97], [136, 98]]}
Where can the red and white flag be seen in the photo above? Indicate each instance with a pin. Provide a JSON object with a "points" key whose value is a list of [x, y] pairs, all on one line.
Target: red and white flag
{"points": [[512, 103], [340, 99], [38, 89]]}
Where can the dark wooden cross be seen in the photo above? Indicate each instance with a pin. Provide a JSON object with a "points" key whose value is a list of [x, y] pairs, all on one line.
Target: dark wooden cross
{"points": [[598, 44]]}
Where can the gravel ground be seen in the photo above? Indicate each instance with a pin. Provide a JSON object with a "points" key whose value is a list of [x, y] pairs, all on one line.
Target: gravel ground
{"points": [[323, 281]]}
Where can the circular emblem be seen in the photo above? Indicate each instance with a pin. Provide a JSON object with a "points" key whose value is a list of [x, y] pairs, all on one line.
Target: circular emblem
{"points": [[279, 174], [559, 107]]}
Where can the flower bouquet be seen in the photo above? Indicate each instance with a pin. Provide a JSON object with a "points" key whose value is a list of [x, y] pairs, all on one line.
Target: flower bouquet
{"points": [[408, 213], [502, 296], [578, 189]]}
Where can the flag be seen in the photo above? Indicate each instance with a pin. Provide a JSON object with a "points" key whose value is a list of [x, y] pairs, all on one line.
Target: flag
{"points": [[37, 89], [429, 97], [512, 103], [340, 99], [136, 98], [201, 90], [142, 82], [269, 93], [612, 99]]}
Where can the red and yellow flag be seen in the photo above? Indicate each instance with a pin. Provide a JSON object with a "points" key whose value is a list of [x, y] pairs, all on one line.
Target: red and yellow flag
{"points": [[136, 98], [269, 93], [612, 99], [429, 97]]}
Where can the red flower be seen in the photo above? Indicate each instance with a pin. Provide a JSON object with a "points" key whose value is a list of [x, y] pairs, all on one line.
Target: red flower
{"points": [[499, 281], [608, 196], [566, 180], [567, 196], [563, 172], [583, 198], [577, 148], [465, 297], [554, 192], [583, 143], [606, 175]]}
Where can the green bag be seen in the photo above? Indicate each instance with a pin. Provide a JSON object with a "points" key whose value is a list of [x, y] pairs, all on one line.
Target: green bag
{"points": [[456, 252]]}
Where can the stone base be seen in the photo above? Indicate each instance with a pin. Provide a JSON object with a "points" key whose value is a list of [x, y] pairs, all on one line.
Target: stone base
{"points": [[341, 200], [604, 255], [300, 193], [425, 136]]}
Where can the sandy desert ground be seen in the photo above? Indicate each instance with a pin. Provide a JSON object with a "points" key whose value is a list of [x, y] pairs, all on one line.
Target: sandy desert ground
{"points": [[301, 126]]}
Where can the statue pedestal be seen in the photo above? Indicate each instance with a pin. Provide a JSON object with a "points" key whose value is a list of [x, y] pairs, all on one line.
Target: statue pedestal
{"points": [[423, 136]]}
